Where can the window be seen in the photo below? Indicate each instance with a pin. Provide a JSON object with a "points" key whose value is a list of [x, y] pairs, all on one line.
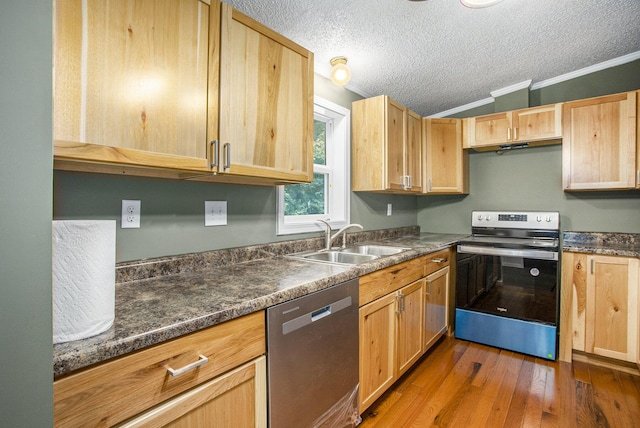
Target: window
{"points": [[300, 206]]}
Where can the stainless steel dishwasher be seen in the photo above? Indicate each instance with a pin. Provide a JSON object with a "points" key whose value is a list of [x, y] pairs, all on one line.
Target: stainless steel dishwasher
{"points": [[312, 359]]}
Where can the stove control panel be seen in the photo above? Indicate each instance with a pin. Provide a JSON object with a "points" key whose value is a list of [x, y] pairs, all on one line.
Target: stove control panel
{"points": [[548, 220]]}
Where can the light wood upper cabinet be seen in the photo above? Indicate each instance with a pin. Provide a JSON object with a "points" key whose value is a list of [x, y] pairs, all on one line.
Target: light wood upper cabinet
{"points": [[638, 139], [489, 130], [181, 89], [599, 311], [266, 102], [599, 145], [535, 125], [445, 163], [386, 147], [130, 83]]}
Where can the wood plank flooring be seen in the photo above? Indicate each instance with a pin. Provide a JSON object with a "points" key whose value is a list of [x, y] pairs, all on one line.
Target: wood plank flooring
{"points": [[463, 384]]}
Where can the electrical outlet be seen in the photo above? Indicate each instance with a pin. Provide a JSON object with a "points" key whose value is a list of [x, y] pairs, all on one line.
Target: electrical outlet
{"points": [[130, 214], [389, 209], [215, 213]]}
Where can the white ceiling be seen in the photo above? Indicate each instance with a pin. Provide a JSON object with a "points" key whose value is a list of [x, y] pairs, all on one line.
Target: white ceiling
{"points": [[436, 55]]}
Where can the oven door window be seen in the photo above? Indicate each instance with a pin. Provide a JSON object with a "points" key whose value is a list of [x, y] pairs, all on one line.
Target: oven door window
{"points": [[513, 287]]}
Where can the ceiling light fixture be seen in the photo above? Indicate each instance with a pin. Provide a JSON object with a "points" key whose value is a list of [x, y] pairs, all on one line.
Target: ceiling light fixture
{"points": [[477, 4], [340, 73]]}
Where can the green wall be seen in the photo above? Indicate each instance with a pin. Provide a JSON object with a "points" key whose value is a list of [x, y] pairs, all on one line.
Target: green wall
{"points": [[172, 211], [26, 396], [625, 77], [530, 179]]}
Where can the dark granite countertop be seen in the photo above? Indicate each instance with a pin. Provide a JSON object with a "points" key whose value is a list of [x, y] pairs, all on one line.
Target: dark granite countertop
{"points": [[612, 244], [157, 300]]}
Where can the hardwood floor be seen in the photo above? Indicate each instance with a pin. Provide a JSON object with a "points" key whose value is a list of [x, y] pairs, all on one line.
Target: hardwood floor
{"points": [[463, 384]]}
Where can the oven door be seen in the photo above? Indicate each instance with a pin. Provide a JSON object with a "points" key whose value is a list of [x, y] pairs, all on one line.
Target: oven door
{"points": [[508, 282]]}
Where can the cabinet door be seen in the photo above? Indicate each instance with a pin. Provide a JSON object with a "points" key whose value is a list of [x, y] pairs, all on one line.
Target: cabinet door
{"points": [[638, 140], [612, 311], [409, 325], [413, 152], [396, 131], [113, 391], [236, 399], [377, 348], [445, 162], [599, 143], [130, 82], [490, 130], [266, 102], [538, 123], [436, 314]]}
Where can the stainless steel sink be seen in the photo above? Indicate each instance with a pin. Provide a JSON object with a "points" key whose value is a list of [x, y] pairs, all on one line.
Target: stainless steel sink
{"points": [[375, 250], [331, 256], [353, 255]]}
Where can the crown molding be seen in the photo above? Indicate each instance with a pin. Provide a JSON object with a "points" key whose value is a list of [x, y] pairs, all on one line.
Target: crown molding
{"points": [[587, 70], [511, 88], [465, 107]]}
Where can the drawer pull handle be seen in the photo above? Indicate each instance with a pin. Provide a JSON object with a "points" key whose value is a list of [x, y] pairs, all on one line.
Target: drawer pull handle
{"points": [[188, 367], [440, 260]]}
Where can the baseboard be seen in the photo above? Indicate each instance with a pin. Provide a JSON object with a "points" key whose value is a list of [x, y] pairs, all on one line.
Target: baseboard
{"points": [[610, 363]]}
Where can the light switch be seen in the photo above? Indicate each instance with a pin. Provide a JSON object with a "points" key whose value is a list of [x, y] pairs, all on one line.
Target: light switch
{"points": [[215, 213]]}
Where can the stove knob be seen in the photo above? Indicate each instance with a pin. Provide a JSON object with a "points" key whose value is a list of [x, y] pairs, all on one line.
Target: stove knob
{"points": [[538, 219], [480, 217], [488, 218], [548, 219]]}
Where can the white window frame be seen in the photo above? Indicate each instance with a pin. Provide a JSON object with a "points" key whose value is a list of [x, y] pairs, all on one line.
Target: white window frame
{"points": [[338, 170]]}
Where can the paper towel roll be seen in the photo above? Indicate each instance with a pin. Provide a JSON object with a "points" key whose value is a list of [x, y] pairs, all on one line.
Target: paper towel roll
{"points": [[83, 278]]}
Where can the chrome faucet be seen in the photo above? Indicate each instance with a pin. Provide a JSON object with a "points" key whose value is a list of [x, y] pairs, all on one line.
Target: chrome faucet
{"points": [[328, 240]]}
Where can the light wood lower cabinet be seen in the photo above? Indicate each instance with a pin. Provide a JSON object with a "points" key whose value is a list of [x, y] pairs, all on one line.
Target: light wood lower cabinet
{"points": [[114, 391], [377, 349], [409, 329], [436, 306], [599, 306], [394, 314], [236, 399]]}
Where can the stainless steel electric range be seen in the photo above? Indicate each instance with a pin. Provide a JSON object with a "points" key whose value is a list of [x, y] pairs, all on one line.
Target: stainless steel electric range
{"points": [[507, 281]]}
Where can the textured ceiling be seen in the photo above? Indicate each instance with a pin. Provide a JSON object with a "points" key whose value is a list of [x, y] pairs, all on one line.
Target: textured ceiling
{"points": [[436, 55]]}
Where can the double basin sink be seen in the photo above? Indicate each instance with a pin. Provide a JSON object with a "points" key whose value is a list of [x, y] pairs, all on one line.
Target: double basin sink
{"points": [[352, 255]]}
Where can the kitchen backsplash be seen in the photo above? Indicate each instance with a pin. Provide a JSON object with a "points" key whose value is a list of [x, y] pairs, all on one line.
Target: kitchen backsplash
{"points": [[149, 268]]}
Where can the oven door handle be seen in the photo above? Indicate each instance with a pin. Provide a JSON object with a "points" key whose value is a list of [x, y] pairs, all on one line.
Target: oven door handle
{"points": [[508, 252]]}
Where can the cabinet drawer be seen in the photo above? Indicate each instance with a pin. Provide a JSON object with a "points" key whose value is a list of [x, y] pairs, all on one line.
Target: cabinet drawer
{"points": [[436, 261], [116, 390], [385, 281]]}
